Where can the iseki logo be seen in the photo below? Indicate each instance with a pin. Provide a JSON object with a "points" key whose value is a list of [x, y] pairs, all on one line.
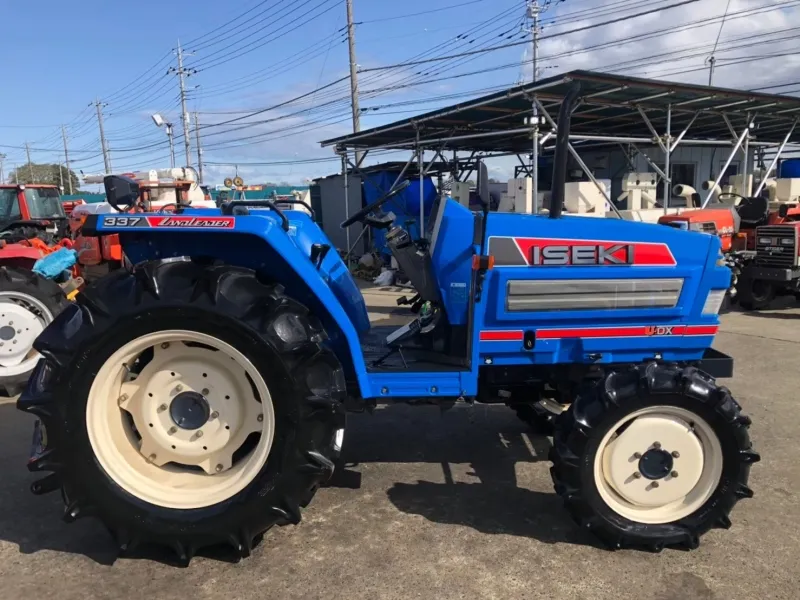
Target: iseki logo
{"points": [[584, 254]]}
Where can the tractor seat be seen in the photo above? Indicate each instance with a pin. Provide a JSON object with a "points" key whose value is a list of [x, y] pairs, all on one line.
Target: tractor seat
{"points": [[753, 210]]}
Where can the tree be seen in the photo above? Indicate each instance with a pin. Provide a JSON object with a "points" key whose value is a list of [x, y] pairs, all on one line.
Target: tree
{"points": [[46, 173]]}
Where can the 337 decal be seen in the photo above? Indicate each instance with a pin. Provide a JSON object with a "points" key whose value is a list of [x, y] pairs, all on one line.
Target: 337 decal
{"points": [[171, 221]]}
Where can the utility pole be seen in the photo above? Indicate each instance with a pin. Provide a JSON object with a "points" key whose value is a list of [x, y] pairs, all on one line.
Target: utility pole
{"points": [[182, 74], [66, 158], [199, 149], [30, 164], [711, 61], [2, 175], [103, 145], [534, 10], [351, 43]]}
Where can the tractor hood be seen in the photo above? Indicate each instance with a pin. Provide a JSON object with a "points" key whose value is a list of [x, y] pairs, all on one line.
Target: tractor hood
{"points": [[585, 242], [576, 268]]}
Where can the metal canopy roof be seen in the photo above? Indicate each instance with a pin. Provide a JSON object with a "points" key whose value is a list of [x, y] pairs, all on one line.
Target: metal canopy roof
{"points": [[611, 107]]}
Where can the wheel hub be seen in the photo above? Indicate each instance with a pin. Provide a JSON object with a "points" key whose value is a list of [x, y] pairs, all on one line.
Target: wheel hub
{"points": [[192, 427], [19, 327], [641, 468], [189, 410], [656, 464]]}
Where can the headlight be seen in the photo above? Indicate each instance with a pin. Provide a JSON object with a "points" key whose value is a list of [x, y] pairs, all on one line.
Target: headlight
{"points": [[714, 302], [787, 242], [766, 241]]}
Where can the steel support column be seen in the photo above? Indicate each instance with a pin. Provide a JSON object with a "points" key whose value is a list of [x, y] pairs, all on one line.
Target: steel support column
{"points": [[420, 167], [729, 161], [667, 159], [650, 162], [776, 157], [535, 155], [346, 196]]}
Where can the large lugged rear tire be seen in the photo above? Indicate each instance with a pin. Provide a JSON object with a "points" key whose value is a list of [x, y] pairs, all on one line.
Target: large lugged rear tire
{"points": [[132, 364], [652, 456], [28, 303]]}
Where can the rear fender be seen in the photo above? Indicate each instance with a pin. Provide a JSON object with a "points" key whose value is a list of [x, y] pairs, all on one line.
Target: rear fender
{"points": [[19, 255], [256, 243]]}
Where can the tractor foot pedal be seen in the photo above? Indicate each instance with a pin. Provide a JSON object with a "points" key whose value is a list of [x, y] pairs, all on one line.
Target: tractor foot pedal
{"points": [[402, 301], [46, 485]]}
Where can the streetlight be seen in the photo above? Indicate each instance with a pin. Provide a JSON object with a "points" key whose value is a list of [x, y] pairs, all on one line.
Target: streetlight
{"points": [[160, 122]]}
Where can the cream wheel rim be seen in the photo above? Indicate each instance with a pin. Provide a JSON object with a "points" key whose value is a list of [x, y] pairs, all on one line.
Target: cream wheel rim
{"points": [[658, 465], [173, 417], [22, 319]]}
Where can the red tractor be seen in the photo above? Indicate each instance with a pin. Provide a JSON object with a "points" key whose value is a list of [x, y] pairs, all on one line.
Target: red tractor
{"points": [[775, 267], [33, 224], [736, 225]]}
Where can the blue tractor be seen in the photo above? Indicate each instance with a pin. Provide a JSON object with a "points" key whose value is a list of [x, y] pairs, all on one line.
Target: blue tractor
{"points": [[199, 395]]}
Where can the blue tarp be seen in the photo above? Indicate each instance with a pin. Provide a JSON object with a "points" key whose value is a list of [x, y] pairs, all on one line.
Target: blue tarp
{"points": [[405, 205], [53, 265]]}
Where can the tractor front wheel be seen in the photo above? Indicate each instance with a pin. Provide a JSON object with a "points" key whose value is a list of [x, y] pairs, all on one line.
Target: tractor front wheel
{"points": [[755, 294], [186, 406], [651, 457], [28, 303]]}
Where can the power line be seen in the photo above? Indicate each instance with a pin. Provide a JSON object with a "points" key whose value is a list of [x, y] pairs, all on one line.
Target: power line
{"points": [[420, 13], [511, 45]]}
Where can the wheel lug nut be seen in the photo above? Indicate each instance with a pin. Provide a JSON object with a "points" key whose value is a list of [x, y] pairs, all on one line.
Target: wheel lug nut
{"points": [[204, 391], [172, 430], [260, 418], [218, 468], [674, 474], [179, 388], [676, 454], [14, 342], [656, 445], [122, 399], [151, 458], [19, 330], [637, 455], [214, 415], [637, 475], [165, 345], [654, 484], [162, 408]]}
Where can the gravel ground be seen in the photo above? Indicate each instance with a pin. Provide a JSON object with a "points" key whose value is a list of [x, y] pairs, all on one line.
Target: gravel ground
{"points": [[445, 505]]}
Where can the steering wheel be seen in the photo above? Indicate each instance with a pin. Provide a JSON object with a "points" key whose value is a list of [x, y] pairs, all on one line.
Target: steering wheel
{"points": [[743, 199], [360, 215]]}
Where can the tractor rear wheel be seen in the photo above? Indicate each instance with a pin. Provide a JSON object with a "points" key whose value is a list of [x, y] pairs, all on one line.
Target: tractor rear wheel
{"points": [[652, 456], [756, 294], [28, 303], [186, 406]]}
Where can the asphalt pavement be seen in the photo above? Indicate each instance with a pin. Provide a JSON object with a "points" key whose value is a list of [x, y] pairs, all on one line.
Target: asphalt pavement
{"points": [[445, 505]]}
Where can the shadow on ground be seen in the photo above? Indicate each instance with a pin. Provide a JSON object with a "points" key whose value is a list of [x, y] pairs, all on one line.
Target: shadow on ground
{"points": [[492, 441], [489, 440]]}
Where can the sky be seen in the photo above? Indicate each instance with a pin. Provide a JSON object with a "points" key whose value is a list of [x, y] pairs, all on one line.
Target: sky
{"points": [[269, 56]]}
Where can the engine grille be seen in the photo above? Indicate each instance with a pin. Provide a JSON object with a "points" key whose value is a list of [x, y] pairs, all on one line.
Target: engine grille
{"points": [[773, 248]]}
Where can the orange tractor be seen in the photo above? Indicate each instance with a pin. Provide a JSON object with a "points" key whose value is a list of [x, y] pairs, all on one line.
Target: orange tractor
{"points": [[737, 223]]}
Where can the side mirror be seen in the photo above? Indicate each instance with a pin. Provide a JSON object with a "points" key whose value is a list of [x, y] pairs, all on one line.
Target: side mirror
{"points": [[121, 192]]}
